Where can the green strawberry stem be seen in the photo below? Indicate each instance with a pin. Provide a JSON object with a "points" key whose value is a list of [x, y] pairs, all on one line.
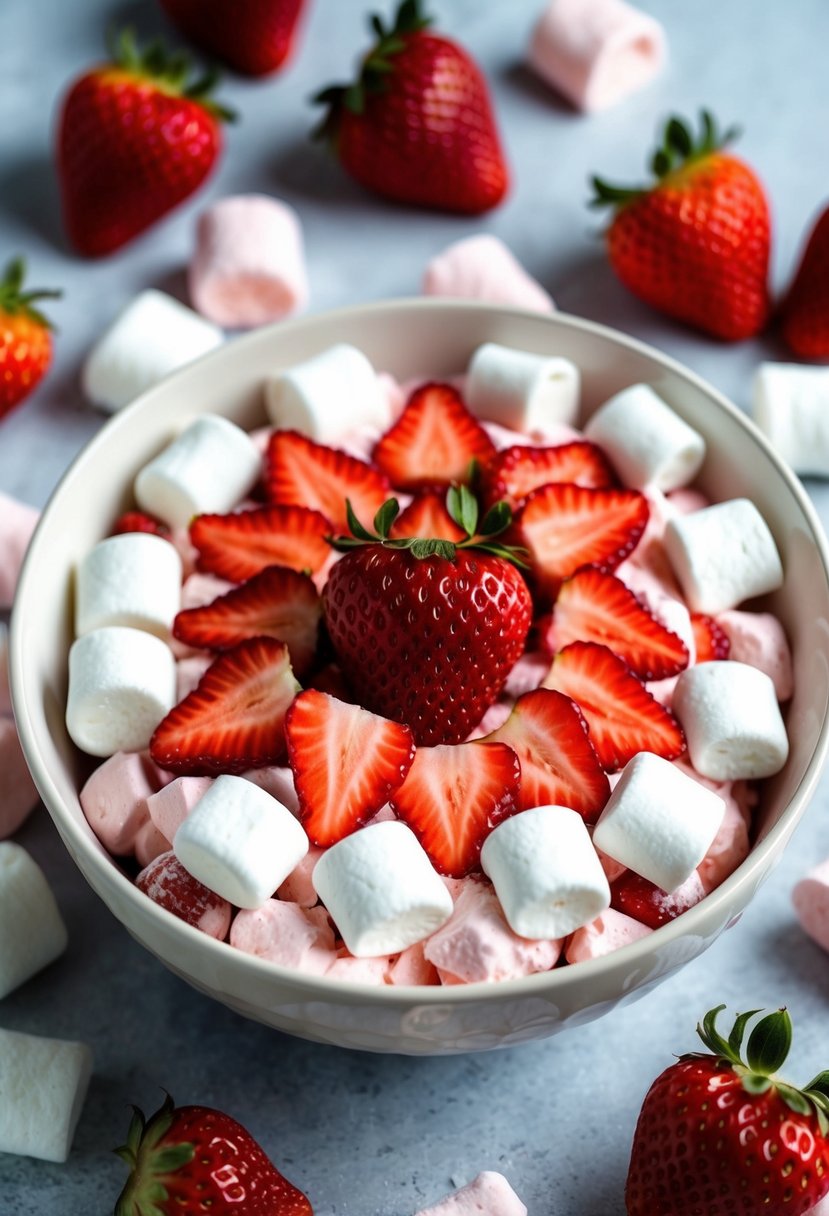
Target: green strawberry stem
{"points": [[169, 71], [14, 301], [144, 1189]]}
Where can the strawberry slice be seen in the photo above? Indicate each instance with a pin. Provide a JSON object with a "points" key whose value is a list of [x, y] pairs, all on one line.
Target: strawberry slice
{"points": [[234, 719], [426, 516], [565, 526], [594, 606], [622, 716], [307, 474], [346, 762], [559, 765], [645, 902], [515, 472], [454, 795], [433, 442], [139, 521], [278, 603], [710, 639], [239, 545]]}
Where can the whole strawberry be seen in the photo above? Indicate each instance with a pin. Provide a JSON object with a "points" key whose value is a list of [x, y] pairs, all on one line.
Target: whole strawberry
{"points": [[417, 126], [722, 1136], [804, 314], [426, 631], [254, 37], [191, 1159], [25, 338], [694, 243], [135, 139]]}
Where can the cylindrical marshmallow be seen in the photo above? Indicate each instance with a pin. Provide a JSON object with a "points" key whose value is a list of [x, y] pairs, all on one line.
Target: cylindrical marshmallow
{"points": [[758, 638], [44, 1084], [240, 842], [481, 267], [723, 555], [17, 523], [249, 266], [115, 797], [608, 932], [381, 890], [32, 932], [150, 338], [811, 903], [647, 443], [658, 822], [522, 391], [133, 579], [328, 396], [122, 682], [545, 872], [489, 1193], [210, 467], [732, 721], [596, 52], [790, 404]]}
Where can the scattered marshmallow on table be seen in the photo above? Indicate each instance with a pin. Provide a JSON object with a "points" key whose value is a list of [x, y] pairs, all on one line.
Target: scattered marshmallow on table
{"points": [[18, 792], [811, 903], [601, 936], [487, 1195], [43, 1083], [732, 721], [658, 821], [133, 579], [32, 932], [790, 404], [646, 442], [481, 267], [17, 523], [249, 265], [520, 390], [150, 338], [328, 396], [759, 639]]}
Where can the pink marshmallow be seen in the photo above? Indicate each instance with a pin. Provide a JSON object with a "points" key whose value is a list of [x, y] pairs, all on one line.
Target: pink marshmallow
{"points": [[729, 848], [494, 717], [278, 782], [686, 500], [249, 267], [149, 844], [298, 887], [169, 807], [612, 869], [18, 793], [286, 934], [189, 671], [758, 638], [166, 882], [198, 589], [114, 800], [596, 52], [487, 1195], [189, 554], [359, 970], [481, 267], [412, 967], [811, 903], [552, 435], [17, 523], [607, 933], [527, 673]]}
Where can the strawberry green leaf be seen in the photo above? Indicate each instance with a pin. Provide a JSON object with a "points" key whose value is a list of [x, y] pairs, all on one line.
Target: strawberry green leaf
{"points": [[769, 1043], [794, 1099], [463, 508], [385, 517], [497, 519], [735, 1039], [431, 548], [354, 525], [820, 1084], [754, 1084]]}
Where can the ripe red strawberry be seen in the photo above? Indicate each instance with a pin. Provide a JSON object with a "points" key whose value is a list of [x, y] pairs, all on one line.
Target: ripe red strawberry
{"points": [[307, 474], [454, 796], [346, 763], [695, 242], [418, 125], [239, 545], [25, 338], [166, 882], [594, 606], [254, 37], [804, 313], [645, 902], [427, 631], [139, 521], [189, 1160], [135, 140], [515, 472], [434, 441], [721, 1135], [233, 720], [622, 716], [426, 515], [710, 639]]}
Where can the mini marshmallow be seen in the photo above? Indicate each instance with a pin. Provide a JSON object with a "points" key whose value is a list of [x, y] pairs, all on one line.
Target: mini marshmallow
{"points": [[596, 52], [18, 792], [328, 396], [115, 800], [210, 467], [658, 822], [150, 338], [487, 1195], [240, 842], [189, 672], [602, 936], [545, 872], [481, 267], [150, 844], [758, 638], [412, 967], [360, 970], [732, 721], [122, 682], [790, 404], [32, 932], [278, 781], [723, 555], [44, 1084], [17, 523], [5, 691], [811, 903], [645, 441], [298, 887], [381, 890], [285, 933], [133, 579], [522, 391], [169, 807]]}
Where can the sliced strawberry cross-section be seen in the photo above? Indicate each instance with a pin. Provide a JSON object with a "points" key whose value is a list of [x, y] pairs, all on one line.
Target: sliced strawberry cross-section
{"points": [[239, 545], [515, 472], [307, 474], [710, 639], [433, 442], [426, 516], [139, 521]]}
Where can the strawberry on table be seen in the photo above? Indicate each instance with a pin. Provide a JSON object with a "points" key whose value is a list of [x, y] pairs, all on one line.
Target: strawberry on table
{"points": [[25, 338], [515, 472], [433, 442], [804, 313], [255, 37], [301, 472], [242, 544]]}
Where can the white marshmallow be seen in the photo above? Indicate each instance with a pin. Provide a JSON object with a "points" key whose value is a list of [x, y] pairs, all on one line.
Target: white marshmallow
{"points": [[647, 443], [790, 404], [381, 890], [723, 555], [328, 396], [133, 579], [150, 338], [240, 842], [732, 722], [546, 873], [210, 467], [522, 391], [122, 682], [5, 691], [32, 932], [658, 821], [43, 1083]]}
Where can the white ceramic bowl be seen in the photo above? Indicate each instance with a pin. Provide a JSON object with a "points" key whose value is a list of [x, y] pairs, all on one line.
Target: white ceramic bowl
{"points": [[409, 338]]}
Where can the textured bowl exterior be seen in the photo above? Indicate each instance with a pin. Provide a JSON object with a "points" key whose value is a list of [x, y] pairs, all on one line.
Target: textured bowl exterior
{"points": [[410, 338]]}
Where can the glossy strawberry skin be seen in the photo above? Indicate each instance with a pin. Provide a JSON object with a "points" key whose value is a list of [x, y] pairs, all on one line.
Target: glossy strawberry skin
{"points": [[255, 37], [25, 356], [804, 314]]}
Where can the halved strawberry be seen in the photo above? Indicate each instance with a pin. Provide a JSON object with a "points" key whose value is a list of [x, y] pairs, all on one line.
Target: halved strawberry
{"points": [[307, 474], [239, 545], [433, 442], [559, 765], [515, 472], [645, 902], [565, 527], [278, 603], [454, 795], [139, 521], [622, 716], [594, 606], [346, 762], [710, 639], [234, 719], [427, 517]]}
